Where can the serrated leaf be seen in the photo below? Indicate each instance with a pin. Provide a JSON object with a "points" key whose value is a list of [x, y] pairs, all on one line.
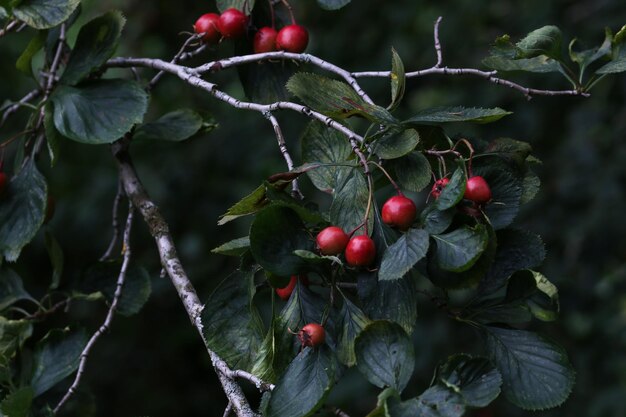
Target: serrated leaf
{"points": [[56, 356], [400, 257], [536, 373], [250, 204], [22, 210], [263, 364], [398, 79], [13, 334], [436, 221], [11, 288], [25, 60], [412, 172], [237, 4], [538, 64], [475, 379], [332, 4], [274, 236], [543, 41], [396, 144], [453, 192], [175, 126], [589, 56], [436, 401], [234, 247], [95, 44], [506, 190], [265, 82], [17, 403], [385, 355], [304, 385], [353, 321], [458, 250], [44, 14], [438, 115], [327, 146], [618, 64], [55, 253], [231, 324], [99, 112], [350, 202]]}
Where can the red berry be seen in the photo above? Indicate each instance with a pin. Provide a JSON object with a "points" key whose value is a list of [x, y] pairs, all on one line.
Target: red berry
{"points": [[208, 24], [285, 292], [3, 182], [312, 335], [292, 38], [233, 23], [360, 251], [265, 40], [477, 190], [399, 211], [438, 187], [332, 240]]}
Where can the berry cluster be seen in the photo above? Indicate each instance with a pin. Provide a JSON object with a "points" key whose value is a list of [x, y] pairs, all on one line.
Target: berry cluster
{"points": [[233, 24], [476, 189]]}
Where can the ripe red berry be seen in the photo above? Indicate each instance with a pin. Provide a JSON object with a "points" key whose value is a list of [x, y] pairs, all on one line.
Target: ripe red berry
{"points": [[3, 182], [292, 38], [399, 211], [438, 187], [332, 240], [312, 335], [208, 24], [477, 190], [233, 23], [360, 251], [265, 40], [285, 292]]}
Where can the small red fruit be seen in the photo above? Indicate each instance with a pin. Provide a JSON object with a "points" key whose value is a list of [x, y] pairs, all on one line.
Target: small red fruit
{"points": [[3, 182], [332, 240], [285, 292], [360, 251], [208, 24], [233, 23], [399, 211], [438, 187], [292, 38], [265, 40], [312, 335], [477, 190]]}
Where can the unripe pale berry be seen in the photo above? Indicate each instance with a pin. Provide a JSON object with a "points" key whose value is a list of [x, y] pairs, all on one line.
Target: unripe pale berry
{"points": [[360, 251], [292, 38], [265, 40], [312, 335], [477, 190], [233, 23], [208, 24], [399, 211], [332, 240]]}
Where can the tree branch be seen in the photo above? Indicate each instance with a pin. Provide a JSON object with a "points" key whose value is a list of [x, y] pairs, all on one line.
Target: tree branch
{"points": [[295, 189], [15, 107], [115, 221]]}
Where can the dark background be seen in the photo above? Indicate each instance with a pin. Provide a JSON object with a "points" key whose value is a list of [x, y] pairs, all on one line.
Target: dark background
{"points": [[154, 363]]}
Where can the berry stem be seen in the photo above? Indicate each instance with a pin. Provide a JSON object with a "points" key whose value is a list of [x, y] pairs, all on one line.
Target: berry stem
{"points": [[471, 155], [288, 6], [370, 197], [12, 138], [395, 185]]}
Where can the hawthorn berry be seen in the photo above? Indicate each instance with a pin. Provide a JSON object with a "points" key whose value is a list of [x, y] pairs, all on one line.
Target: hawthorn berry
{"points": [[232, 23], [3, 182], [477, 190], [312, 335], [208, 24], [292, 38], [360, 251], [264, 40], [438, 187], [285, 292], [399, 211], [332, 240]]}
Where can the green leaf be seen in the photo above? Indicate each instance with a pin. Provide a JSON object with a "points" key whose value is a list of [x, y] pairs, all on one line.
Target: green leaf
{"points": [[453, 192], [100, 111], [475, 379], [263, 364], [400, 257], [618, 64], [55, 253], [458, 250], [102, 277], [396, 144], [13, 334], [332, 4], [542, 41], [274, 235], [175, 126], [250, 204], [96, 43], [436, 221], [538, 64], [398, 79], [25, 60], [335, 98], [231, 324], [412, 172], [56, 356], [323, 144], [350, 202], [589, 56], [17, 403], [436, 401], [353, 321], [264, 82], [44, 14], [53, 137], [22, 210], [506, 190], [535, 371], [11, 288], [385, 355], [237, 4], [438, 115], [235, 247], [305, 384]]}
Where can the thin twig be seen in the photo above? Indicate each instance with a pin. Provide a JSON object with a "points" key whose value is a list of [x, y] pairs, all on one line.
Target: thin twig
{"points": [[228, 410], [57, 59], [258, 383], [295, 189], [15, 107], [115, 222], [438, 43], [337, 411], [9, 27], [175, 60], [44, 313], [109, 317]]}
